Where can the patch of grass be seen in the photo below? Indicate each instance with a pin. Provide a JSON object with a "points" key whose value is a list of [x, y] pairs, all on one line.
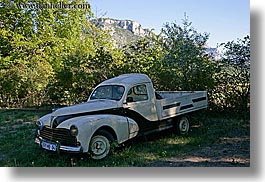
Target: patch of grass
{"points": [[17, 148]]}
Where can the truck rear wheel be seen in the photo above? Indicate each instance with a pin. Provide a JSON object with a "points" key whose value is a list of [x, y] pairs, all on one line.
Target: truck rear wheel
{"points": [[183, 125], [100, 144]]}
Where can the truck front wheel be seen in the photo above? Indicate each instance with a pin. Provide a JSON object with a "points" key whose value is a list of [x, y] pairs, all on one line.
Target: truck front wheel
{"points": [[183, 125], [99, 146]]}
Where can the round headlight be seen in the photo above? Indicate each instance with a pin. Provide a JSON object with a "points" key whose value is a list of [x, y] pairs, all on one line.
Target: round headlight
{"points": [[73, 130], [39, 123]]}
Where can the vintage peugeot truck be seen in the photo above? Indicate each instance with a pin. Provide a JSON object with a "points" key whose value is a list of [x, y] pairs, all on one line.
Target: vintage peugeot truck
{"points": [[118, 109]]}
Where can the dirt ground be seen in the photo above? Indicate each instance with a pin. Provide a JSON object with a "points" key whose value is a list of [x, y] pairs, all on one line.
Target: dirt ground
{"points": [[228, 152]]}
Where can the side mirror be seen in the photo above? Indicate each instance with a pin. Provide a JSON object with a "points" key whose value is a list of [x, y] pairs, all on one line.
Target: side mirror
{"points": [[129, 99]]}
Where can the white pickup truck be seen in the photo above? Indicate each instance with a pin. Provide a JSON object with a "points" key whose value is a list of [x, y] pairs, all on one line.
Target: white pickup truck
{"points": [[118, 109]]}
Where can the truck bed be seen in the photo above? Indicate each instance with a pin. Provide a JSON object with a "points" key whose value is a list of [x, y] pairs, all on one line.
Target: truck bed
{"points": [[175, 103]]}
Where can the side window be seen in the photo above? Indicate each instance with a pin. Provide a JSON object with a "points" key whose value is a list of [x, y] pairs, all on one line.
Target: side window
{"points": [[137, 93]]}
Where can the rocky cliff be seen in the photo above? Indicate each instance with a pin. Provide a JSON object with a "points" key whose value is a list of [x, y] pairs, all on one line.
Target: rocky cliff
{"points": [[123, 31], [133, 26]]}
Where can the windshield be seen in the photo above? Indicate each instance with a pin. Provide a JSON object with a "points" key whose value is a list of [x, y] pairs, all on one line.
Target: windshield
{"points": [[112, 92]]}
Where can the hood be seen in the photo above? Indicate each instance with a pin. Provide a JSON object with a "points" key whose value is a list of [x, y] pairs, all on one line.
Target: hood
{"points": [[90, 106]]}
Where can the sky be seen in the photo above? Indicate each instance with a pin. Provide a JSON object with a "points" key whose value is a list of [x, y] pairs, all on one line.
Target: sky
{"points": [[224, 20]]}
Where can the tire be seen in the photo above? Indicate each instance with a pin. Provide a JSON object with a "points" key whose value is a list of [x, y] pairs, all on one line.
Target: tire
{"points": [[183, 125], [100, 144]]}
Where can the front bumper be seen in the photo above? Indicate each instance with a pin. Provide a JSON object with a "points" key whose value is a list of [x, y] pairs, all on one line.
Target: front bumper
{"points": [[78, 149]]}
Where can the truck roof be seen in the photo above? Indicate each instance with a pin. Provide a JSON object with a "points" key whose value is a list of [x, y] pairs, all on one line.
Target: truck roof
{"points": [[128, 79]]}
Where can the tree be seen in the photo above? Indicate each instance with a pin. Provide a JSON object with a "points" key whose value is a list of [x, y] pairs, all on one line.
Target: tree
{"points": [[46, 52], [233, 91], [142, 56], [84, 68], [185, 61]]}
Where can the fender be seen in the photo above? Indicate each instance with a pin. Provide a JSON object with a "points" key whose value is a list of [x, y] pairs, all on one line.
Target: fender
{"points": [[45, 120], [124, 128]]}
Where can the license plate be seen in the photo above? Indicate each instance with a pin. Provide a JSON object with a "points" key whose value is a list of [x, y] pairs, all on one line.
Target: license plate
{"points": [[48, 146]]}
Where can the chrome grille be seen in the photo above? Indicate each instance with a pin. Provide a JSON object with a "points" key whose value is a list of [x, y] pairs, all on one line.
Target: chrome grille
{"points": [[60, 135]]}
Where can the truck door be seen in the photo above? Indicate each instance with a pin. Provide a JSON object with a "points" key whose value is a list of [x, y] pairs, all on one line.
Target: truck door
{"points": [[141, 103]]}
